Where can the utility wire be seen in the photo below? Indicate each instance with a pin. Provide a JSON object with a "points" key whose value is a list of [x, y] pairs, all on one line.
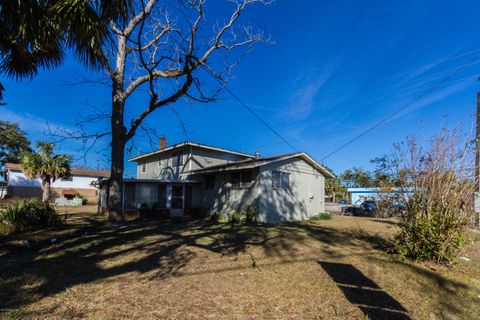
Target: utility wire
{"points": [[390, 116], [243, 104]]}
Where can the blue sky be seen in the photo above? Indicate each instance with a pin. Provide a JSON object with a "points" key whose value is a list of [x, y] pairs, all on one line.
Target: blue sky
{"points": [[334, 69]]}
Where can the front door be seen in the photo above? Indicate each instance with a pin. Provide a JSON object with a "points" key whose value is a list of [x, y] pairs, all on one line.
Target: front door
{"points": [[177, 208]]}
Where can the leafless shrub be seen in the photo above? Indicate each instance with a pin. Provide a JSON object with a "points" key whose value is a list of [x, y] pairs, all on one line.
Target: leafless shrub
{"points": [[433, 198]]}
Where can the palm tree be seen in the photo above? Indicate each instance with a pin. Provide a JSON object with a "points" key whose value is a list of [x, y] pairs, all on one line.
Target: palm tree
{"points": [[46, 166], [35, 33]]}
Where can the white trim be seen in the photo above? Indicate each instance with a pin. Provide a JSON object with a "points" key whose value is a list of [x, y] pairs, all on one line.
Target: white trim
{"points": [[315, 163], [183, 144]]}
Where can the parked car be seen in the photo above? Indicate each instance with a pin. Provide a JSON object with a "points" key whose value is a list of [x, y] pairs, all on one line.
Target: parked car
{"points": [[343, 202], [369, 205], [365, 209]]}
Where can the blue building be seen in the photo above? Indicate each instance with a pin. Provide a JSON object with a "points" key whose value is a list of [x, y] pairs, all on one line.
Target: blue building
{"points": [[358, 195]]}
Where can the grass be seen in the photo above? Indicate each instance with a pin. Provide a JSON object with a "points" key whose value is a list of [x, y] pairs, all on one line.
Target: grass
{"points": [[326, 269]]}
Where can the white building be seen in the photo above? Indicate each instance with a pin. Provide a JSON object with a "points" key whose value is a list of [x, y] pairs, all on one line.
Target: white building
{"points": [[80, 181]]}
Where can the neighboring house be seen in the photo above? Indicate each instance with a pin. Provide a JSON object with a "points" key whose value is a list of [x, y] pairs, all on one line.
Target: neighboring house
{"points": [[189, 175], [80, 181], [358, 195]]}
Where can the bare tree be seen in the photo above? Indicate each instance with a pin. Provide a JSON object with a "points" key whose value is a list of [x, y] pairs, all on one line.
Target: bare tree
{"points": [[163, 50]]}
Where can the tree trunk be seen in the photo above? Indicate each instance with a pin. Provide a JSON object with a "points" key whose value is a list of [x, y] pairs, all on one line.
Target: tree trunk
{"points": [[115, 204], [46, 189]]}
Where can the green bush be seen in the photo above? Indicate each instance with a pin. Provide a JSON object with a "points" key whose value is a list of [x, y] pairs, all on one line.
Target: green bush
{"points": [[235, 217], [321, 216], [433, 237], [250, 215], [29, 215], [222, 218]]}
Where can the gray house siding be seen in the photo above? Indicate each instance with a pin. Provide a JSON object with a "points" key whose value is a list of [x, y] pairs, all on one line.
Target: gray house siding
{"points": [[160, 166], [302, 199], [203, 158], [225, 198]]}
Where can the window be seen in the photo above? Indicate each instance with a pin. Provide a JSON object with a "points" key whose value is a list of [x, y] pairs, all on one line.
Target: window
{"points": [[242, 179], [146, 194], [144, 167], [69, 178], [159, 161], [280, 180], [210, 181], [177, 159]]}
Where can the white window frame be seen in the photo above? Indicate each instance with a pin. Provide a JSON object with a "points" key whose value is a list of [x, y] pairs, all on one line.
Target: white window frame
{"points": [[242, 184], [281, 181]]}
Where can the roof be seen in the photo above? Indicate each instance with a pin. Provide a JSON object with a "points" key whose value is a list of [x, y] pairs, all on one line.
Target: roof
{"points": [[188, 143], [255, 163], [78, 172]]}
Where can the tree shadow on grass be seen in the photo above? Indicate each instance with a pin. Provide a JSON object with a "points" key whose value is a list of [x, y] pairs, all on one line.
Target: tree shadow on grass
{"points": [[363, 292], [97, 251]]}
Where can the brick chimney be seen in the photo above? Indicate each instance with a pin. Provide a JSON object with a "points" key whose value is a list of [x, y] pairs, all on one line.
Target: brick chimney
{"points": [[162, 142]]}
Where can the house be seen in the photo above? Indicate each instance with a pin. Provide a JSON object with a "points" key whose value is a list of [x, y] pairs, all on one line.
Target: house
{"points": [[188, 175], [80, 181], [360, 194]]}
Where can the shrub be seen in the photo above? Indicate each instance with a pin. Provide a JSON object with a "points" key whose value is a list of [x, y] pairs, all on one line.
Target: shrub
{"points": [[250, 215], [29, 215], [321, 216], [222, 218], [235, 217], [430, 237], [435, 187]]}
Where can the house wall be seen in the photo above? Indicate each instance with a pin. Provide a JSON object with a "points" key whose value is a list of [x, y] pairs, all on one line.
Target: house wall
{"points": [[304, 197], [203, 158], [193, 158], [19, 186], [19, 179], [224, 198], [160, 166], [36, 192]]}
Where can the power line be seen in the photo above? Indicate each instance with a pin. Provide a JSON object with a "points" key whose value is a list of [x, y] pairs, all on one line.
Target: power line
{"points": [[390, 116], [243, 104]]}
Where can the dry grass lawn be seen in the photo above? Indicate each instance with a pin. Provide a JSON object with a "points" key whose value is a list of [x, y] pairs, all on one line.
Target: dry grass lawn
{"points": [[337, 269]]}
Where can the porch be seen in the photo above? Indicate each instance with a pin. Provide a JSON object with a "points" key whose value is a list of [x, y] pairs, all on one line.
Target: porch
{"points": [[154, 198]]}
